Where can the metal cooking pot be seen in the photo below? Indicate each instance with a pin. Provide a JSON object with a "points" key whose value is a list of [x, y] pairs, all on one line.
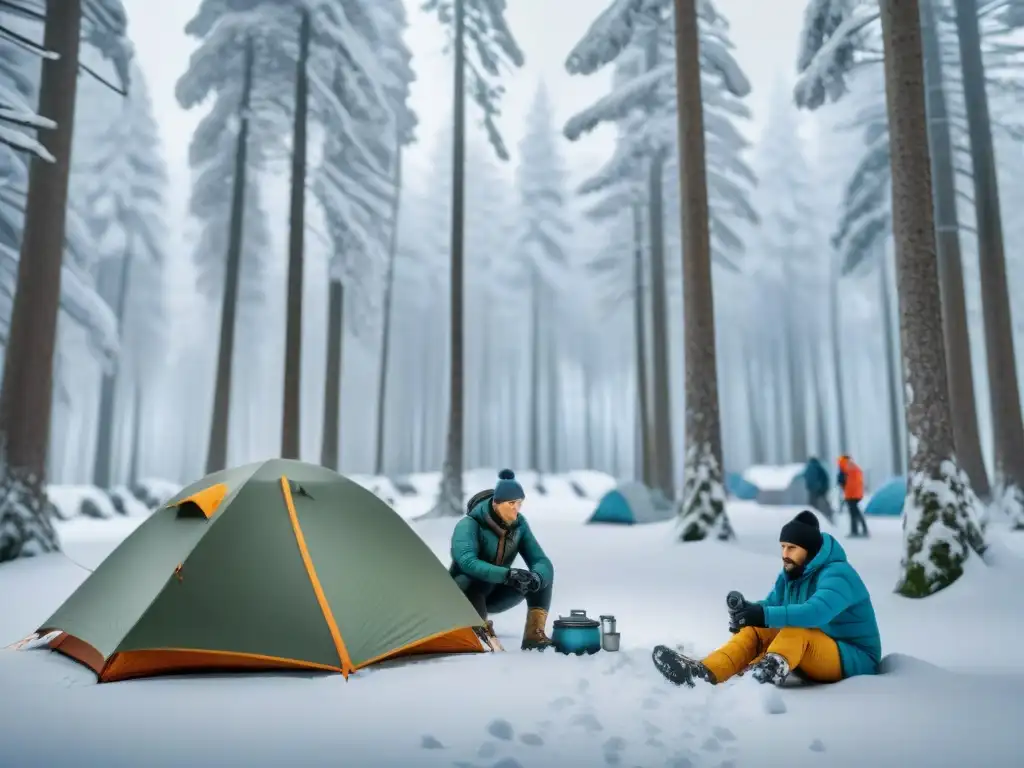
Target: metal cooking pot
{"points": [[576, 633]]}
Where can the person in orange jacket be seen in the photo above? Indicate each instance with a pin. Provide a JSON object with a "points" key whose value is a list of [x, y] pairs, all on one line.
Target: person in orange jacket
{"points": [[851, 480]]}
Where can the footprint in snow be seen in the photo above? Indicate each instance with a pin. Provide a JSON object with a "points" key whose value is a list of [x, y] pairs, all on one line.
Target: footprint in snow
{"points": [[650, 728], [543, 725], [817, 746], [501, 729], [772, 702], [711, 744], [587, 722], [659, 690], [487, 749], [727, 764], [508, 762], [612, 758], [462, 764], [582, 686], [656, 743], [679, 762], [650, 704], [614, 744], [723, 734], [562, 702], [532, 739], [429, 742]]}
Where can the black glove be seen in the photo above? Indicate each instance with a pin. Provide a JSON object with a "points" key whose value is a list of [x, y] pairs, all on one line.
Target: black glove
{"points": [[535, 583], [519, 580], [750, 615]]}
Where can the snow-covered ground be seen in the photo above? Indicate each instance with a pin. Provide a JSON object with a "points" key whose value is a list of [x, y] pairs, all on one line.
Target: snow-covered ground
{"points": [[953, 694]]}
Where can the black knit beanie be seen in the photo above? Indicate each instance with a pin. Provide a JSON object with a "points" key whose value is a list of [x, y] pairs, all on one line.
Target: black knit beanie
{"points": [[803, 531]]}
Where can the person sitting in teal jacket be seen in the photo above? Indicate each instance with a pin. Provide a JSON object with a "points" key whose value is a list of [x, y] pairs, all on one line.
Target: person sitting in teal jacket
{"points": [[818, 620], [485, 544]]}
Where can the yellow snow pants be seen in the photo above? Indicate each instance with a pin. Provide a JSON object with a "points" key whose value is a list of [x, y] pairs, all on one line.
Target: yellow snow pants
{"points": [[810, 651]]}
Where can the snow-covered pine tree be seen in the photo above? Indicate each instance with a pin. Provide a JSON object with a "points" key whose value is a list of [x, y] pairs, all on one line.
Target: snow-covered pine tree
{"points": [[481, 43], [491, 337], [783, 318], [622, 26], [941, 511], [273, 36], [865, 221], [541, 181], [390, 18], [118, 186], [79, 301], [357, 192], [25, 399]]}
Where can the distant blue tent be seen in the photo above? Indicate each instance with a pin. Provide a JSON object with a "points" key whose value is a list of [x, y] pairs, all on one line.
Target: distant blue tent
{"points": [[887, 501], [629, 504], [739, 487]]}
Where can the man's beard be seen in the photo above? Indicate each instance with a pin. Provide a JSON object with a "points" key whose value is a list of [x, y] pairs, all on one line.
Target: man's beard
{"points": [[793, 570]]}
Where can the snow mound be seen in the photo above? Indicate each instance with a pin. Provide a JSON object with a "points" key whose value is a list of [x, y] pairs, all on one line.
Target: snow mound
{"points": [[771, 478], [88, 501]]}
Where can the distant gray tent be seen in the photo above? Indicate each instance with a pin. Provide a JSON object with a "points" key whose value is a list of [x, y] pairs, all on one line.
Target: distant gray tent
{"points": [[630, 504]]}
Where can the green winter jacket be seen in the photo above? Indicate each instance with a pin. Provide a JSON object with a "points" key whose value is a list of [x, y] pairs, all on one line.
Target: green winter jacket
{"points": [[483, 551]]}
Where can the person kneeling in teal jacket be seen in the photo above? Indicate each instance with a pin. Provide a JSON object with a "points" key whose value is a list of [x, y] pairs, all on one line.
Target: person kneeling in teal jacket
{"points": [[486, 542]]}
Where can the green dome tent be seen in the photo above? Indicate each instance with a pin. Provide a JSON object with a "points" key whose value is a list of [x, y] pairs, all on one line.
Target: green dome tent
{"points": [[629, 504], [275, 565]]}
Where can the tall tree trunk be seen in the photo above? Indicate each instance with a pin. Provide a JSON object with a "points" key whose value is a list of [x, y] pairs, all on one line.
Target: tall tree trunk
{"points": [[782, 427], [892, 392], [385, 343], [646, 473], [703, 510], [136, 442], [821, 446], [589, 461], [1007, 422], [26, 397], [217, 450], [536, 412], [960, 370], [449, 502], [939, 527], [838, 348], [291, 416], [662, 458], [754, 387], [103, 460], [556, 424], [329, 454], [796, 372]]}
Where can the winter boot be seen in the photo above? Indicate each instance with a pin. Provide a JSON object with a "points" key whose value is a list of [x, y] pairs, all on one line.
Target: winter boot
{"points": [[771, 669], [533, 636], [680, 669]]}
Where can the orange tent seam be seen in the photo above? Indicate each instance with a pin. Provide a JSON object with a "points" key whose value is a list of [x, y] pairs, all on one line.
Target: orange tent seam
{"points": [[321, 598]]}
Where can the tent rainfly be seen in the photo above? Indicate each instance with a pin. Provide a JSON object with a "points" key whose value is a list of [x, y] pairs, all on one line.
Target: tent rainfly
{"points": [[274, 565]]}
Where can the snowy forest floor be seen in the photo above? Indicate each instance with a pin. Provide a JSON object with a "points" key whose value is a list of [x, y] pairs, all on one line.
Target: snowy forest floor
{"points": [[953, 693]]}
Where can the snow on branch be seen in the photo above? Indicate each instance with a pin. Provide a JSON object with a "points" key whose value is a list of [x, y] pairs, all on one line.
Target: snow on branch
{"points": [[831, 33], [609, 35], [641, 92]]}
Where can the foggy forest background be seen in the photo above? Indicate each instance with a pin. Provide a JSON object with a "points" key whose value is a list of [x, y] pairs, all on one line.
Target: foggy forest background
{"points": [[573, 314]]}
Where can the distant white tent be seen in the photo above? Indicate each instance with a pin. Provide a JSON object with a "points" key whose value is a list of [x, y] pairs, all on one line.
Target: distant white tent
{"points": [[778, 486]]}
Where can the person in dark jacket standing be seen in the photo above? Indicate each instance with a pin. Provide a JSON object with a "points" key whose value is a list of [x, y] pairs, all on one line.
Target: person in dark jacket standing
{"points": [[816, 482], [485, 544]]}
